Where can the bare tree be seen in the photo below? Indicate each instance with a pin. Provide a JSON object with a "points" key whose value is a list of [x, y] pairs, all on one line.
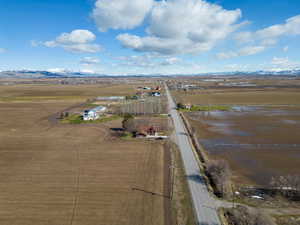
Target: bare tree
{"points": [[219, 172], [128, 122]]}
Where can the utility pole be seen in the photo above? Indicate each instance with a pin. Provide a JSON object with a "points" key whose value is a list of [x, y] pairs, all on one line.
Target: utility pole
{"points": [[233, 194]]}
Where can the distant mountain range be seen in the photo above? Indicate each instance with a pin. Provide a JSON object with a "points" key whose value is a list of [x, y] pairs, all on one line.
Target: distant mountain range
{"points": [[43, 74], [31, 74]]}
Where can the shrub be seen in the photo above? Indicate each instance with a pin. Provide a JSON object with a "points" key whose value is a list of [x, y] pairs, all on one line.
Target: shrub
{"points": [[219, 173], [287, 186], [210, 108], [128, 118], [180, 106], [245, 216]]}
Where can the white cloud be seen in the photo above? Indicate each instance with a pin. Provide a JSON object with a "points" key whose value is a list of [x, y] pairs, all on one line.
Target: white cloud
{"points": [[290, 27], [280, 61], [285, 49], [148, 61], [246, 51], [89, 61], [88, 71], [83, 48], [264, 38], [279, 64], [158, 45], [184, 26], [78, 41], [137, 61], [35, 43], [251, 50], [227, 55], [170, 61], [2, 50], [243, 37], [64, 70], [76, 37], [58, 70], [124, 14], [236, 67], [268, 42]]}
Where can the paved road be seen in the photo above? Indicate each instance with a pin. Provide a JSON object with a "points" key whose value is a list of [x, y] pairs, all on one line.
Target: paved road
{"points": [[204, 203]]}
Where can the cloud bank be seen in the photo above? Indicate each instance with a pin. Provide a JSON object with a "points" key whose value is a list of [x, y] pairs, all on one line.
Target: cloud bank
{"points": [[290, 27], [175, 26], [263, 39]]}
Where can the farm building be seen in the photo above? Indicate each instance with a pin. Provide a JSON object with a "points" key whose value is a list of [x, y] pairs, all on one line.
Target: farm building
{"points": [[148, 131], [94, 114], [146, 126]]}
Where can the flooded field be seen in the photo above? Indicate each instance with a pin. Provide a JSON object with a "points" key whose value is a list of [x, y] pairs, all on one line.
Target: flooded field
{"points": [[258, 142]]}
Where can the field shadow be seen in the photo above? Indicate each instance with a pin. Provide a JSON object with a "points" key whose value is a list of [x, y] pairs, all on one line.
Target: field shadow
{"points": [[117, 129], [150, 192], [197, 178]]}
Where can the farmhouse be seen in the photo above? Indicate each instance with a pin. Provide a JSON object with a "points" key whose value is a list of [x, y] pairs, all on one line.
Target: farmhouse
{"points": [[146, 127], [149, 132], [144, 131], [94, 114]]}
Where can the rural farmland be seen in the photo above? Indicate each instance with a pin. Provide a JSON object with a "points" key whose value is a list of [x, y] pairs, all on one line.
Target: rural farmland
{"points": [[257, 127], [53, 173], [149, 112]]}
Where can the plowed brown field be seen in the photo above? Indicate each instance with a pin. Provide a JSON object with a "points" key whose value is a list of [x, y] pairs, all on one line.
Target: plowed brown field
{"points": [[62, 174]]}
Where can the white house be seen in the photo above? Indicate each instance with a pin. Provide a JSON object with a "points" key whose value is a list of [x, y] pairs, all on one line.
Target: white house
{"points": [[93, 114]]}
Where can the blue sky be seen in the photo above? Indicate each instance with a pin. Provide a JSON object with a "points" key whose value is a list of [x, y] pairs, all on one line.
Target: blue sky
{"points": [[148, 36]]}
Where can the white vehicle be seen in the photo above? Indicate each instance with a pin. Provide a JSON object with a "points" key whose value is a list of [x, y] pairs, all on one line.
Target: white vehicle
{"points": [[257, 197]]}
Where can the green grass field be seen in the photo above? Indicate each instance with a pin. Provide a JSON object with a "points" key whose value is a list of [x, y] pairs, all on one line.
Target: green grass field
{"points": [[207, 108], [77, 119]]}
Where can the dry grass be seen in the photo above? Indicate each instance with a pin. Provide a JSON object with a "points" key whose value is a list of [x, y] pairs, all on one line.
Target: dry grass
{"points": [[73, 174], [54, 93], [182, 207], [288, 220], [241, 97]]}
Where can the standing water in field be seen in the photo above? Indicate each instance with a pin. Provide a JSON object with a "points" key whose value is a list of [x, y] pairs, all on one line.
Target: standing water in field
{"points": [[258, 142]]}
